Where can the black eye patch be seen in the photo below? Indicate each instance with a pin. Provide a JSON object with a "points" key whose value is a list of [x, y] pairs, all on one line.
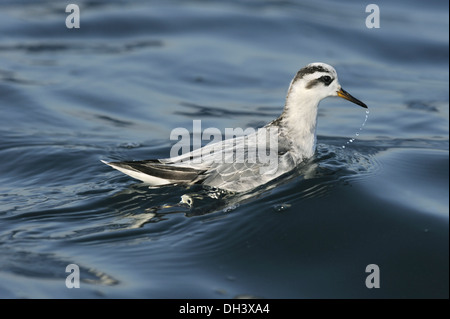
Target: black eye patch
{"points": [[326, 79]]}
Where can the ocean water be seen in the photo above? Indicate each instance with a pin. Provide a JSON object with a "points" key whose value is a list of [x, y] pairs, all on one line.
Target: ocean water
{"points": [[116, 87]]}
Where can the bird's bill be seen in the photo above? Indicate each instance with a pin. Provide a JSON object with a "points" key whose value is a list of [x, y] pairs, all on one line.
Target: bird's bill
{"points": [[344, 94]]}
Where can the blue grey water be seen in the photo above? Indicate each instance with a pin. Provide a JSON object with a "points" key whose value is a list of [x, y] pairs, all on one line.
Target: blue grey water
{"points": [[116, 87]]}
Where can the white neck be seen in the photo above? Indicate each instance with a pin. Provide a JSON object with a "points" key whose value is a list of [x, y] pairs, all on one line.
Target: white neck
{"points": [[300, 118]]}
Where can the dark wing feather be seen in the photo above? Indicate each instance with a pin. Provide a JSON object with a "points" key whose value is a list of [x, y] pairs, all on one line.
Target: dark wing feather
{"points": [[165, 171]]}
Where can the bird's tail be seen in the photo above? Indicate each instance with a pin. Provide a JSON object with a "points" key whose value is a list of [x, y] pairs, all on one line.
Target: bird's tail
{"points": [[156, 173]]}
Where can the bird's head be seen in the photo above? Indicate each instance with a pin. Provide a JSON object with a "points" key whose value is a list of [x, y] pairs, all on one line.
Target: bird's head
{"points": [[318, 81]]}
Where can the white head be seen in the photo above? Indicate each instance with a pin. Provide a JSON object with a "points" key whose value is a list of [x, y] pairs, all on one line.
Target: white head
{"points": [[315, 82], [310, 85]]}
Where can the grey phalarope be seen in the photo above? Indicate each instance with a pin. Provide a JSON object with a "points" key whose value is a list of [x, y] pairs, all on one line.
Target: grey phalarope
{"points": [[295, 142]]}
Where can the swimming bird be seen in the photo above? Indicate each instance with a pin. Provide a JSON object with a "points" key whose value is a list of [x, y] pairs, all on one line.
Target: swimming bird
{"points": [[231, 164]]}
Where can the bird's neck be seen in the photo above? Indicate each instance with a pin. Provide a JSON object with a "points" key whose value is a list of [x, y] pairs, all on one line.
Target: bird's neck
{"points": [[300, 119]]}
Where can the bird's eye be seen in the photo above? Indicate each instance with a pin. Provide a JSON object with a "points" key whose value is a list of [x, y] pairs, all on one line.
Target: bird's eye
{"points": [[326, 79]]}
